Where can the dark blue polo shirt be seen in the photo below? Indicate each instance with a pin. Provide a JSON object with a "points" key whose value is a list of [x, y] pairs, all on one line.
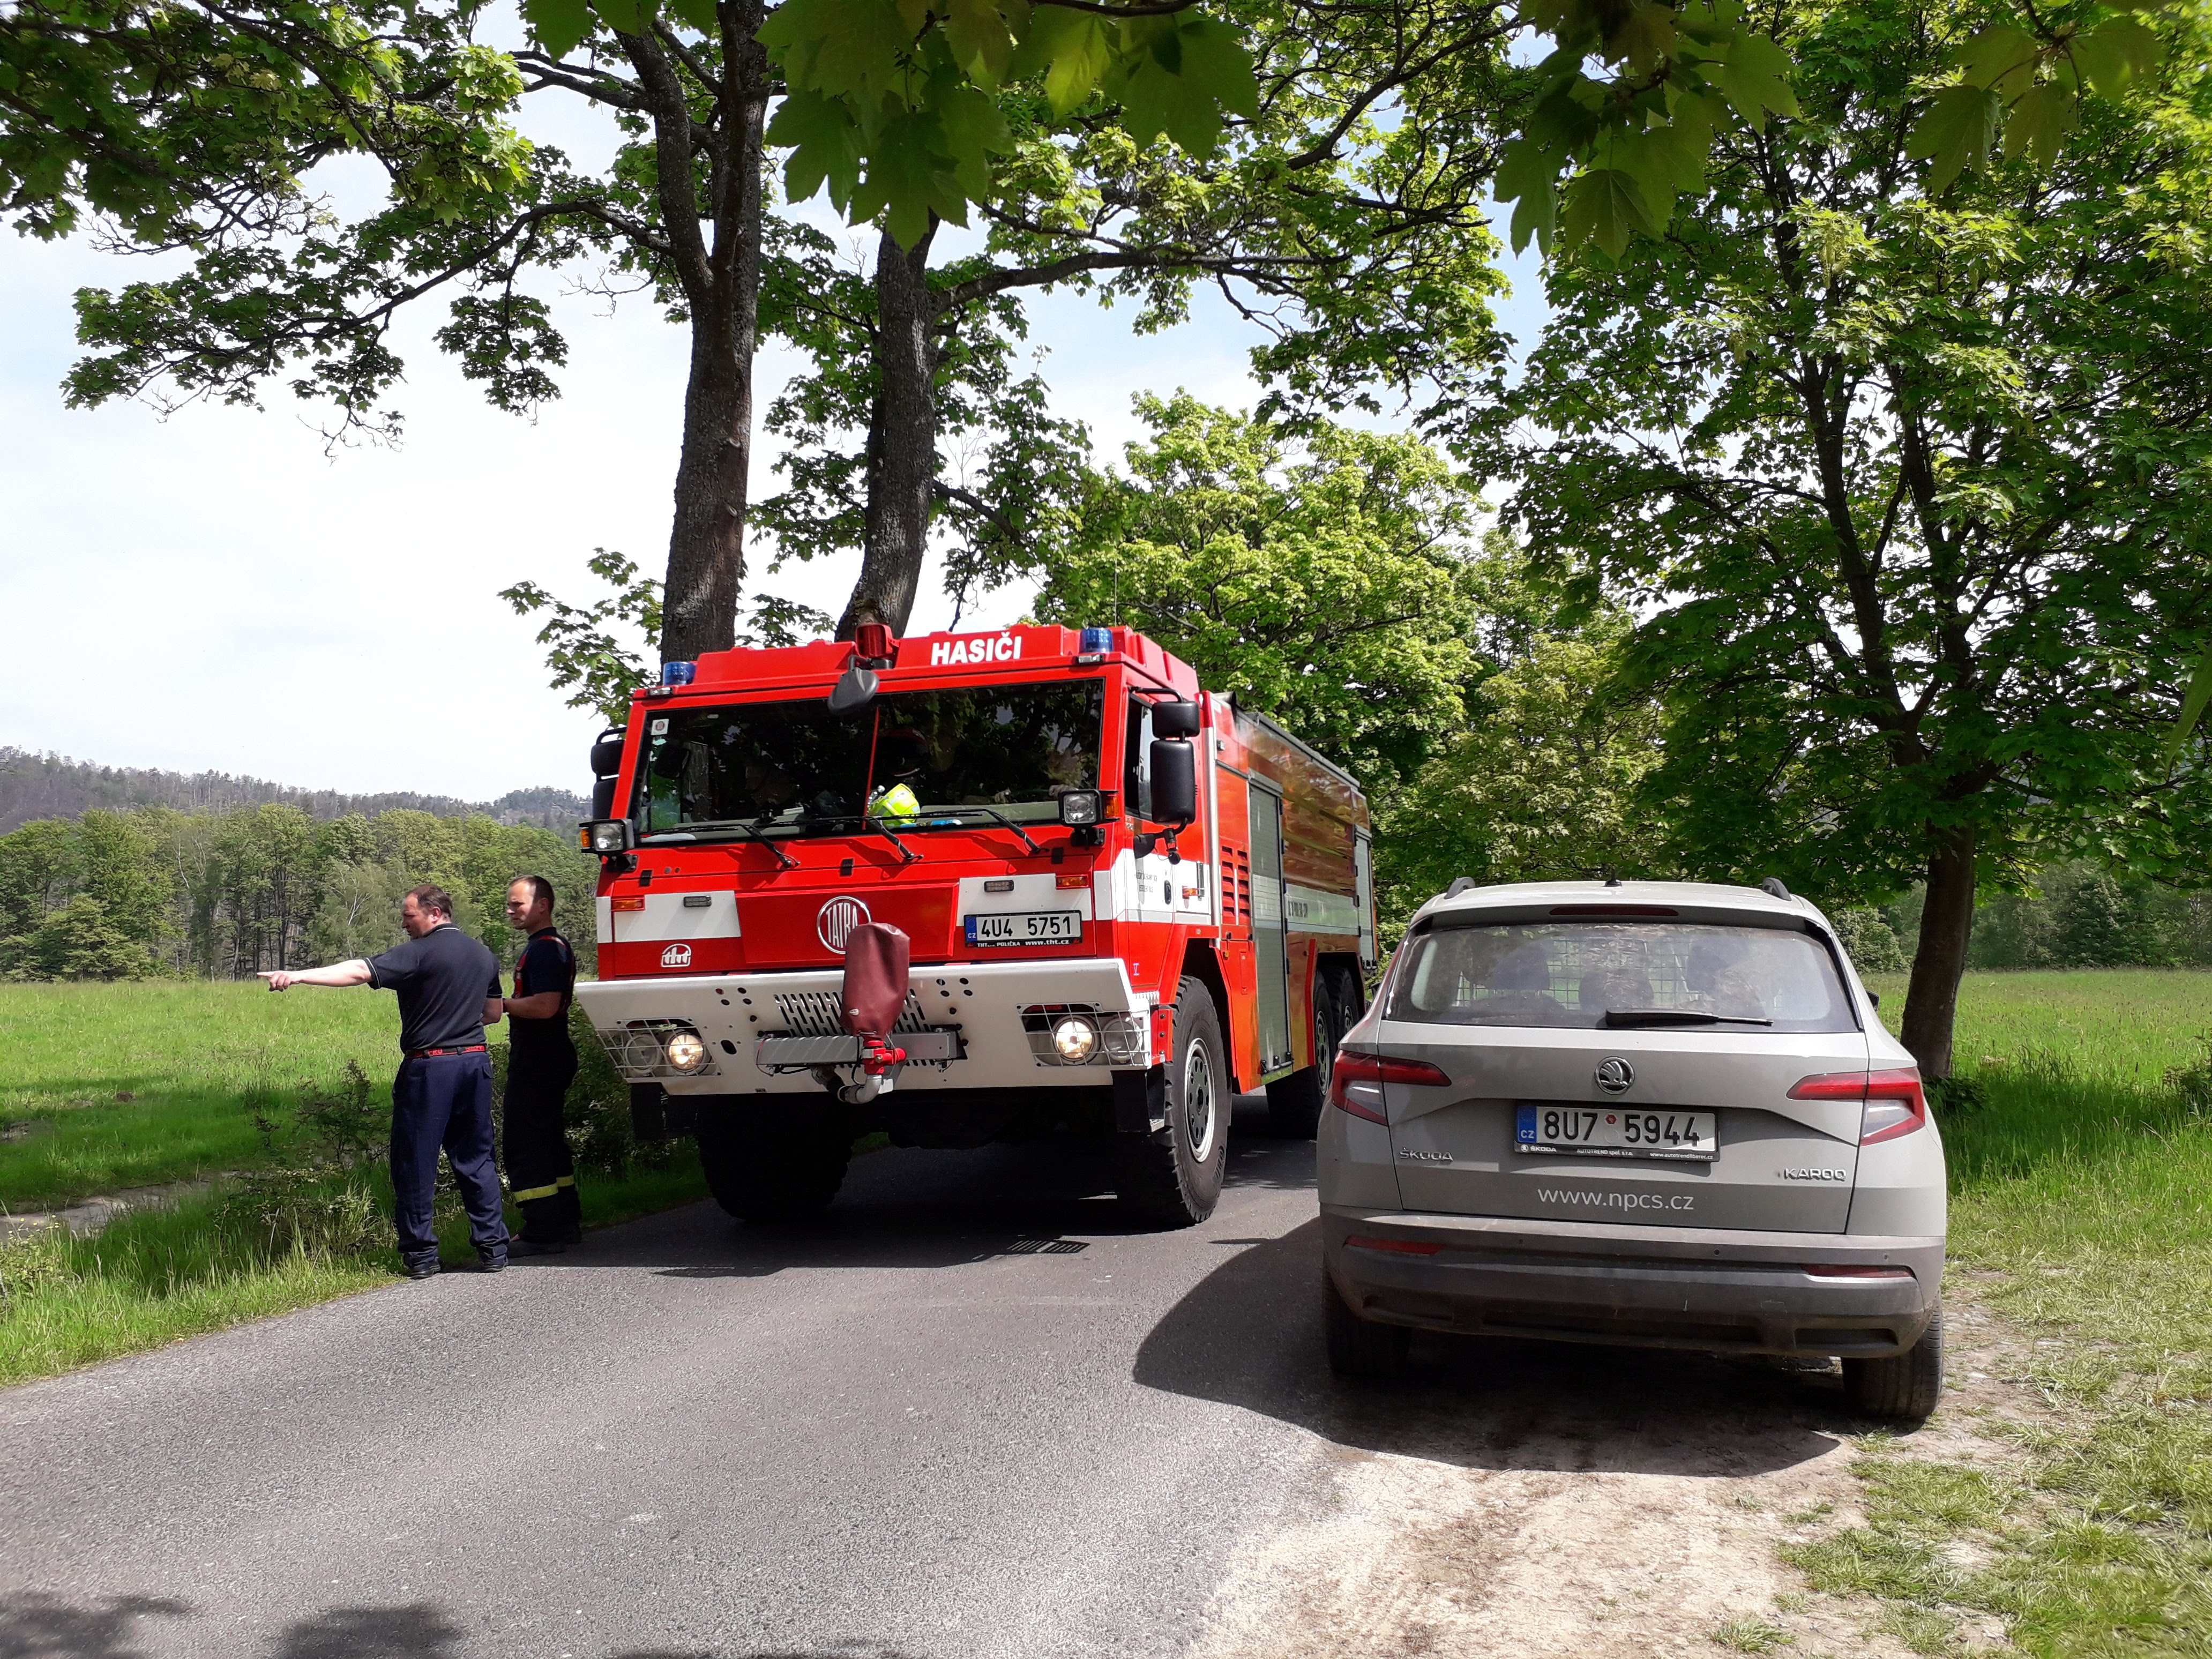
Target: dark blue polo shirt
{"points": [[442, 979], [547, 964]]}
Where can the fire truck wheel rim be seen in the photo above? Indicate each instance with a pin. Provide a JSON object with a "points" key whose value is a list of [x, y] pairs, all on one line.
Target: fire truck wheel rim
{"points": [[1198, 1102]]}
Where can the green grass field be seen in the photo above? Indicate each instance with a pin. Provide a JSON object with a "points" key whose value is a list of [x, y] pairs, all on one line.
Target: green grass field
{"points": [[2081, 1196], [196, 1057]]}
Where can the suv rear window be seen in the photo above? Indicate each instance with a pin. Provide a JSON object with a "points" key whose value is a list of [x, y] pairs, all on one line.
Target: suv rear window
{"points": [[1657, 974]]}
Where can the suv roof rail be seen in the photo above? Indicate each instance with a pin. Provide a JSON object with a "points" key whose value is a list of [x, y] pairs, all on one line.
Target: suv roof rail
{"points": [[1773, 884], [1459, 884]]}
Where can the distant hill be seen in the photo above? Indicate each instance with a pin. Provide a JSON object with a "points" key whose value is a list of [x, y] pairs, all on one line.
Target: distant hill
{"points": [[33, 785]]}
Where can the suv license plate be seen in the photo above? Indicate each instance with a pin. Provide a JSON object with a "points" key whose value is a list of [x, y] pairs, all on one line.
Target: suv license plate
{"points": [[1566, 1130], [1030, 927]]}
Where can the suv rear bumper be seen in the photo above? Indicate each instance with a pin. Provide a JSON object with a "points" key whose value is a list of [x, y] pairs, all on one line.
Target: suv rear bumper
{"points": [[1720, 1291]]}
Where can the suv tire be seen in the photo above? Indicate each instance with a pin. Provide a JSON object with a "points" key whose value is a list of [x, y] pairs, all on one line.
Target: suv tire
{"points": [[773, 1165], [1908, 1384], [1173, 1178], [1358, 1347], [1294, 1103]]}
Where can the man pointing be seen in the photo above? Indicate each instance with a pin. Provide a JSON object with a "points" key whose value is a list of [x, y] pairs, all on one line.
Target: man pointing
{"points": [[448, 987]]}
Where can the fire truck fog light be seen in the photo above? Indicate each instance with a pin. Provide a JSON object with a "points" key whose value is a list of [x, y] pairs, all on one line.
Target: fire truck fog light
{"points": [[1080, 806], [1074, 1039], [686, 1051]]}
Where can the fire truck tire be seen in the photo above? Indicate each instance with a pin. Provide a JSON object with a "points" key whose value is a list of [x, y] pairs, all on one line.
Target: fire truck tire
{"points": [[1294, 1103], [772, 1165], [1173, 1178]]}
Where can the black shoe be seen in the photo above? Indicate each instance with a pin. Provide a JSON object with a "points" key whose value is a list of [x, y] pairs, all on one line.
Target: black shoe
{"points": [[524, 1245], [427, 1266], [489, 1263]]}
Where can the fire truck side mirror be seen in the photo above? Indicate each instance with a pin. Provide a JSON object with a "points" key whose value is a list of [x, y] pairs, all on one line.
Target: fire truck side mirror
{"points": [[606, 753], [1176, 719], [1175, 778], [603, 798]]}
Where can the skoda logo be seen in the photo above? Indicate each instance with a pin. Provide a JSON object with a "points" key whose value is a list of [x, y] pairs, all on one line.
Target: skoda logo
{"points": [[676, 956], [837, 921], [1614, 1074]]}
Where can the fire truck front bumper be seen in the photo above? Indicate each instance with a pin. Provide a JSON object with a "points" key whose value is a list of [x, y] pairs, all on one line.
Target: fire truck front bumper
{"points": [[966, 1025]]}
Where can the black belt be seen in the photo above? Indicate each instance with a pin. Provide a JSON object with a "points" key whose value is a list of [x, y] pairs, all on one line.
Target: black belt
{"points": [[425, 1053]]}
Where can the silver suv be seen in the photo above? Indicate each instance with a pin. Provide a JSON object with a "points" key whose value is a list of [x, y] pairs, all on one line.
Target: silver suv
{"points": [[1655, 1113]]}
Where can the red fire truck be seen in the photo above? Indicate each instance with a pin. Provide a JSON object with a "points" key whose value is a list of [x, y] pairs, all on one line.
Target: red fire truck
{"points": [[1122, 901]]}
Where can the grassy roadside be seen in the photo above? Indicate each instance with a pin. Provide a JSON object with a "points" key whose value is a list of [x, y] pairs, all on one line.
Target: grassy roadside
{"points": [[140, 1083], [2082, 1210], [250, 1092]]}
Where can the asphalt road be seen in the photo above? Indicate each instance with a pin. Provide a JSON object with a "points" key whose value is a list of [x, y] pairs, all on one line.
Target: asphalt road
{"points": [[909, 1431]]}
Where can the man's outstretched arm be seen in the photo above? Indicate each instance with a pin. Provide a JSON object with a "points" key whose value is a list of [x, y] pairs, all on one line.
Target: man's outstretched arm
{"points": [[338, 973]]}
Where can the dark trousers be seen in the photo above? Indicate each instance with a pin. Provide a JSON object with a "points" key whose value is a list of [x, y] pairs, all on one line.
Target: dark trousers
{"points": [[540, 1170], [444, 1100]]}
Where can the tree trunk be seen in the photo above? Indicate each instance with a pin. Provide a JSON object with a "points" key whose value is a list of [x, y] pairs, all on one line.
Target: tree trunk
{"points": [[707, 541], [902, 440], [1947, 923]]}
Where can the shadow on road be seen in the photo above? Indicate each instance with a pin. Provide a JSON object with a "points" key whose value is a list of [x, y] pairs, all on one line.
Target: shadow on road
{"points": [[37, 1626], [418, 1630], [914, 1207], [1249, 1336]]}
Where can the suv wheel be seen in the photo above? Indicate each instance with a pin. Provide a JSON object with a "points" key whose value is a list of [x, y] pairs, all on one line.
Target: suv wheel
{"points": [[1294, 1103], [774, 1163], [1173, 1178], [1908, 1384], [1361, 1347]]}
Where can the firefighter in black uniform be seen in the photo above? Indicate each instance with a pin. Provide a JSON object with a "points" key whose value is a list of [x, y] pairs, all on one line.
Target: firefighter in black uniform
{"points": [[541, 1065], [448, 987]]}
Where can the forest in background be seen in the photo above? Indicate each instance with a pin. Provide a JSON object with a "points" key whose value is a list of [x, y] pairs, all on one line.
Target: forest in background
{"points": [[152, 891], [49, 786]]}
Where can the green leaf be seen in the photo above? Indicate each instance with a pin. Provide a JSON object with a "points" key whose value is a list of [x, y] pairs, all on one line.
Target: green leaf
{"points": [[559, 26], [624, 17], [1954, 134], [1183, 81], [1755, 77], [982, 34], [1645, 37], [1996, 52], [1071, 48], [910, 178], [2192, 710], [696, 14], [825, 146], [2114, 53], [839, 47], [1527, 174], [1606, 205], [2038, 121]]}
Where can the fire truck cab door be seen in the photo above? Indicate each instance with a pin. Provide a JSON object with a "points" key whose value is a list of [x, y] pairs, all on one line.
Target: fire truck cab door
{"points": [[1270, 957]]}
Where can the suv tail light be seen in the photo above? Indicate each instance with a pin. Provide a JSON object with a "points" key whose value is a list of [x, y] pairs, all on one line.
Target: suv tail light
{"points": [[1352, 1068], [1896, 1104]]}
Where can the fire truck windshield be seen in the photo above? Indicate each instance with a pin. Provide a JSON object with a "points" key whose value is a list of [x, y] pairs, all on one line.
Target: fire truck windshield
{"points": [[797, 767]]}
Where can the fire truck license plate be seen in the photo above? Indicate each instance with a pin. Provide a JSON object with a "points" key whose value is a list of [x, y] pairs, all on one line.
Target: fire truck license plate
{"points": [[1035, 928], [1616, 1132]]}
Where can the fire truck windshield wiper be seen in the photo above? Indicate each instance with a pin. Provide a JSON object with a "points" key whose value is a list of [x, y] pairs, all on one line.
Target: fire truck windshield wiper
{"points": [[907, 855], [738, 824], [934, 816]]}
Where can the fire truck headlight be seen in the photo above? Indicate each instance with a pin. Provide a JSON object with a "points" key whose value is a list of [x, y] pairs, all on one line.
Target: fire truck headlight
{"points": [[1075, 1039], [1080, 806], [607, 836], [686, 1050]]}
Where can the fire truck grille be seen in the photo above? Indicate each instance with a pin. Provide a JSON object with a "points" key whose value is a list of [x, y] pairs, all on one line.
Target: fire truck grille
{"points": [[1121, 1036], [816, 1013]]}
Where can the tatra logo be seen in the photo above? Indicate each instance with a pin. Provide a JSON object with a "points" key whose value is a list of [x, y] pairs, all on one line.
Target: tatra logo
{"points": [[975, 648], [676, 956], [837, 921], [1614, 1074]]}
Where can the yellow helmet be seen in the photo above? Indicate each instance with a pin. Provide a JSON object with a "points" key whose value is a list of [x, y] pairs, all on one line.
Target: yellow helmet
{"points": [[897, 802]]}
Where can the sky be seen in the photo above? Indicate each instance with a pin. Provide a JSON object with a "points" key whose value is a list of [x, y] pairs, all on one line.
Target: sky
{"points": [[217, 591]]}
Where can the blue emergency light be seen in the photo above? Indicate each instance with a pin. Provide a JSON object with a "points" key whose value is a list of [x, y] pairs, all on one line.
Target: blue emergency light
{"points": [[1096, 639], [678, 673]]}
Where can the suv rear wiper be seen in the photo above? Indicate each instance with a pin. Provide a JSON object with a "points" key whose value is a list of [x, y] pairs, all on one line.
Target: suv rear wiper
{"points": [[1619, 1017]]}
